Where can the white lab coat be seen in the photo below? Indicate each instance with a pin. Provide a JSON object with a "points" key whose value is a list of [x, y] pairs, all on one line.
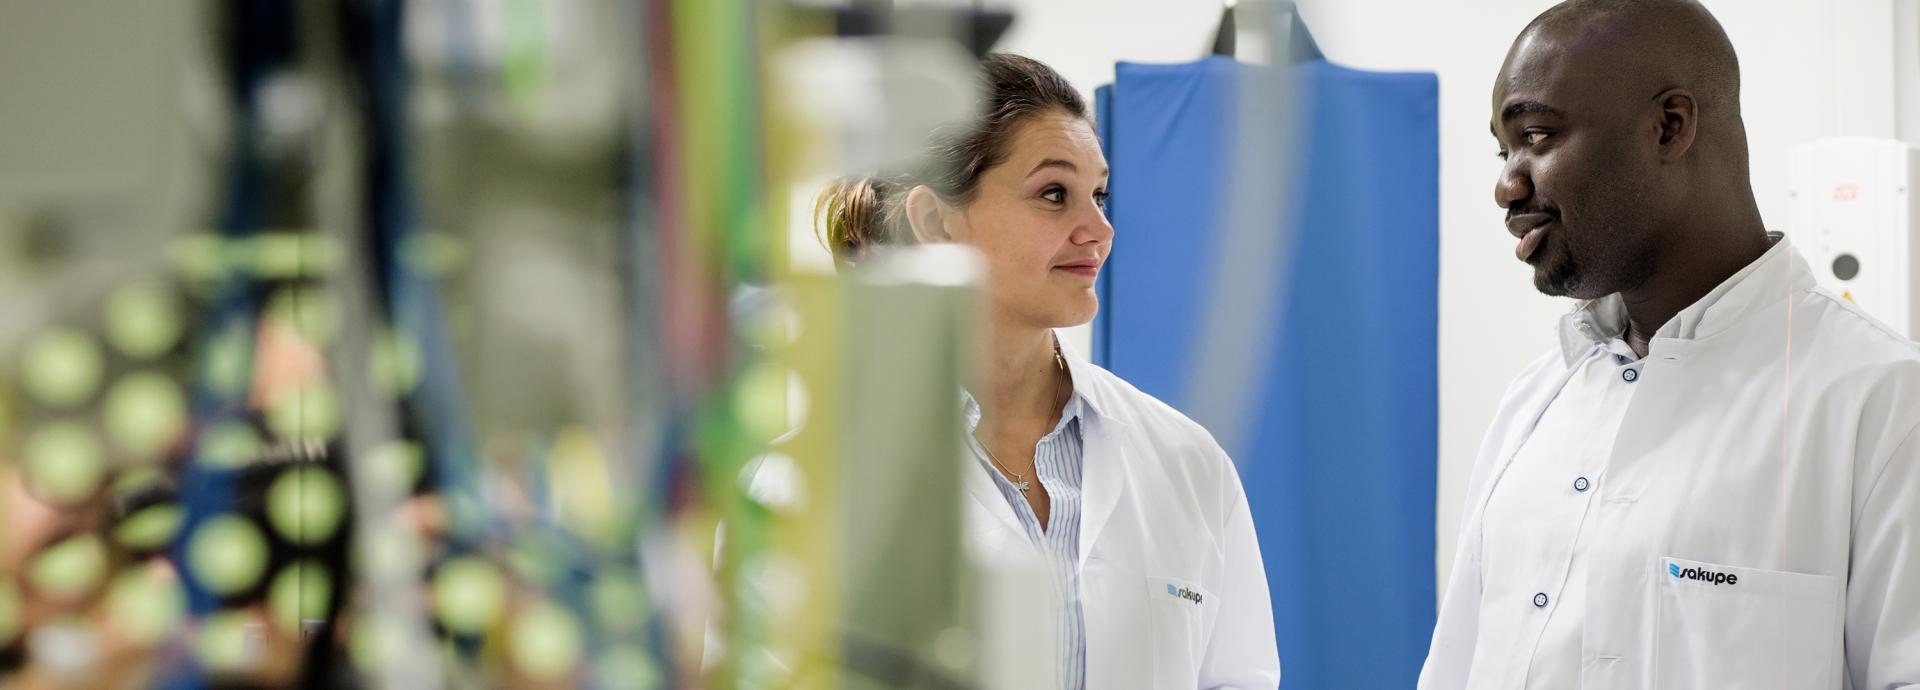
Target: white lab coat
{"points": [[1771, 439], [1162, 506]]}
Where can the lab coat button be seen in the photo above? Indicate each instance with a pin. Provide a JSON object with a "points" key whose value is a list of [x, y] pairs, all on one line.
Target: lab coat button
{"points": [[1540, 600], [1580, 484], [1630, 375]]}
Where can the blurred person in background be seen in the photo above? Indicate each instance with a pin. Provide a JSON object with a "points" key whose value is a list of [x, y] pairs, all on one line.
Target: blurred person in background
{"points": [[1139, 513]]}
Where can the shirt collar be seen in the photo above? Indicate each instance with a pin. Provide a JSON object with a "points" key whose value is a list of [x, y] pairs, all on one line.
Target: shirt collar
{"points": [[1777, 272], [1081, 404], [1075, 408]]}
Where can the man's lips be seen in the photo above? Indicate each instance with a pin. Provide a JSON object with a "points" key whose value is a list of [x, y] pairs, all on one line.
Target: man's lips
{"points": [[1531, 229]]}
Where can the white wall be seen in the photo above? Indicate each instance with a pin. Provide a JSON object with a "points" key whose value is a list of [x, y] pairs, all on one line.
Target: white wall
{"points": [[1811, 68], [1083, 38]]}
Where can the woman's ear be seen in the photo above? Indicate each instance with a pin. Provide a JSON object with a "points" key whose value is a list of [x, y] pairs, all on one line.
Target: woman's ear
{"points": [[927, 213]]}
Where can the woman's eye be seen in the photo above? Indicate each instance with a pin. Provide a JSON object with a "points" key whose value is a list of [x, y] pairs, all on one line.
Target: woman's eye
{"points": [[1100, 199], [1055, 195]]}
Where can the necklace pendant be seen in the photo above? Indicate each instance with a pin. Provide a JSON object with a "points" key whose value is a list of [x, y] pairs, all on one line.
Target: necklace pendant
{"points": [[1022, 486]]}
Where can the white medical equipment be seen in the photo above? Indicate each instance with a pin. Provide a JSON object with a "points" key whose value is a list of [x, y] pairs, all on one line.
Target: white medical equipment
{"points": [[1852, 215]]}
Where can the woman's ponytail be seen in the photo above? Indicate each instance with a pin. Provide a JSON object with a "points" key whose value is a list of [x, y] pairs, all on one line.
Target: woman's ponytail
{"points": [[856, 213]]}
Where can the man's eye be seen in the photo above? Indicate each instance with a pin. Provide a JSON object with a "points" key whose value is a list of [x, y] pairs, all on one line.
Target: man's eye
{"points": [[1534, 138]]}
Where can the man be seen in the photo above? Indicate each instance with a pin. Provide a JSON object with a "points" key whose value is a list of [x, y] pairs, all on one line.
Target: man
{"points": [[1714, 480]]}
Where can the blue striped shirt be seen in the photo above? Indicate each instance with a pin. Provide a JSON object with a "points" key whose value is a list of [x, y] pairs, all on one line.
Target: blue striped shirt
{"points": [[1056, 465]]}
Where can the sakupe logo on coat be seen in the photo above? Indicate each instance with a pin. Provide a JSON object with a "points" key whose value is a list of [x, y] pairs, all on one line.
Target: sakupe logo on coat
{"points": [[1183, 593], [1703, 575]]}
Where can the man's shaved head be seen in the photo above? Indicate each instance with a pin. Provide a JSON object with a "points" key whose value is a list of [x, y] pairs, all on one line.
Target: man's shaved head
{"points": [[1620, 122], [1658, 45]]}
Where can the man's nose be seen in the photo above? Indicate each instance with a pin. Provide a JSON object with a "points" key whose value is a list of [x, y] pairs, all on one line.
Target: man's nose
{"points": [[1513, 186]]}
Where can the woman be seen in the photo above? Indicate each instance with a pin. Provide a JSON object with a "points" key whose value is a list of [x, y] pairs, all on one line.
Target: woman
{"points": [[1138, 511]]}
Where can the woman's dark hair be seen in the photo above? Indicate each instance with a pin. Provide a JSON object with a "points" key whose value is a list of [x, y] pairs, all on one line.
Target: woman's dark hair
{"points": [[855, 213]]}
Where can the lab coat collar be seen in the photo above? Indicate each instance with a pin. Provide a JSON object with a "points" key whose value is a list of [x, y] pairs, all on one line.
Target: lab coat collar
{"points": [[1104, 453], [1103, 424], [1100, 452], [1102, 474], [1778, 272], [1093, 395], [1093, 390]]}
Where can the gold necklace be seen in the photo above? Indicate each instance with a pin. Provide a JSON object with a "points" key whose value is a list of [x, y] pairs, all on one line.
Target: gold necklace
{"points": [[1020, 480]]}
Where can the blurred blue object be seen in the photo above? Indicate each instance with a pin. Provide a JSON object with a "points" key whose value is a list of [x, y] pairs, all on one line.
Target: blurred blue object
{"points": [[1338, 447]]}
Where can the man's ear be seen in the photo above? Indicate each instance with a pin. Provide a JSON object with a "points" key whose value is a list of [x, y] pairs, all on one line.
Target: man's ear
{"points": [[1679, 123], [927, 213]]}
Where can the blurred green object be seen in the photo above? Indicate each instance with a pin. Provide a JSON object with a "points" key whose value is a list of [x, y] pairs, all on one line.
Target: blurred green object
{"points": [[229, 445], [398, 464], [145, 413], [64, 463], [288, 255], [546, 641], [723, 233], [70, 569], [305, 505], [146, 604], [525, 67], [305, 412], [627, 668], [227, 554], [150, 528], [309, 310], [299, 593], [619, 601], [144, 319], [61, 367], [394, 363], [228, 354], [468, 595], [912, 320], [221, 641], [877, 539]]}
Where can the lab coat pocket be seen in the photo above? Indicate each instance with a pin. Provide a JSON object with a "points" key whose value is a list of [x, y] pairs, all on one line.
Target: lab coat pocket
{"points": [[1179, 611], [1722, 626]]}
